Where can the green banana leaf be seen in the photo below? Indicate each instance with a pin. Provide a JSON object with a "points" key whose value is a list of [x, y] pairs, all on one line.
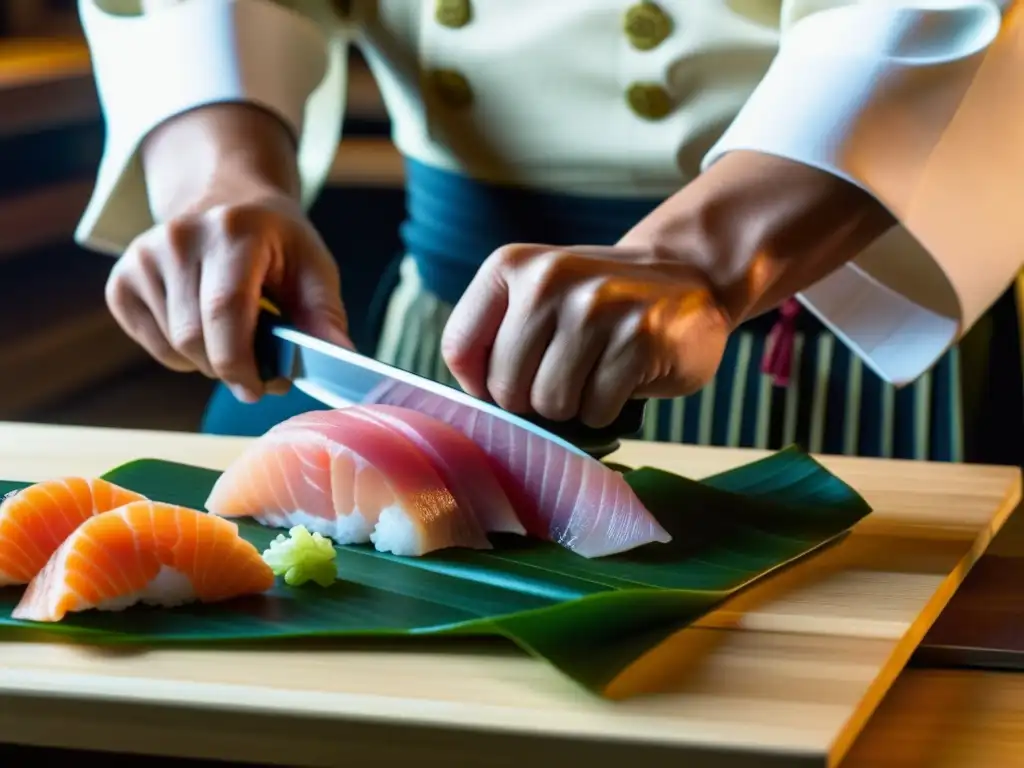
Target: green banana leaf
{"points": [[589, 618]]}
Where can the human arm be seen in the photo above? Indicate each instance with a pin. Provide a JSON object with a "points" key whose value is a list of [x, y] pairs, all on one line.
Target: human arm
{"points": [[921, 105], [769, 218], [210, 159], [156, 67], [580, 330]]}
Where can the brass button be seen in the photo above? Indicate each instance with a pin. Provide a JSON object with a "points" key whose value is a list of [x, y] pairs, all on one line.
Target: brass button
{"points": [[451, 87], [453, 13], [646, 26], [649, 100]]}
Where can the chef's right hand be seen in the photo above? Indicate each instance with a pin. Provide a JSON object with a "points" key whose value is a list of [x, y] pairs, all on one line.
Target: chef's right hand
{"points": [[188, 289]]}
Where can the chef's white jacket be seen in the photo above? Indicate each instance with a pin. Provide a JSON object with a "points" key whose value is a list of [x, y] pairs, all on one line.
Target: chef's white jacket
{"points": [[919, 102]]}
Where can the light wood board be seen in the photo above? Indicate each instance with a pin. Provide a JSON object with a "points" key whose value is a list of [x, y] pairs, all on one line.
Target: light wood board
{"points": [[786, 674]]}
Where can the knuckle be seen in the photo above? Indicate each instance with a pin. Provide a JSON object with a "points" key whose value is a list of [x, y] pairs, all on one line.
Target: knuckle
{"points": [[638, 330], [554, 406], [187, 337], [224, 305], [503, 392], [180, 235], [118, 291], [510, 257], [242, 221], [454, 350], [554, 273], [592, 305]]}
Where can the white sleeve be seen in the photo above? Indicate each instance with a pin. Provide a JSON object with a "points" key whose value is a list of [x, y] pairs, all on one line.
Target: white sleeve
{"points": [[920, 104], [149, 68]]}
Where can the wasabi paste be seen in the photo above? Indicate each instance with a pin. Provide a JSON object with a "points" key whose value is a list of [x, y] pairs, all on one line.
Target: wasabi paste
{"points": [[302, 556]]}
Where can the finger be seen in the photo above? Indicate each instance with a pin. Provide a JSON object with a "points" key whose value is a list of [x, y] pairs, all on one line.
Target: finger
{"points": [[138, 307], [519, 346], [472, 328], [316, 307], [564, 371], [277, 387], [616, 376], [139, 322], [229, 292], [184, 318]]}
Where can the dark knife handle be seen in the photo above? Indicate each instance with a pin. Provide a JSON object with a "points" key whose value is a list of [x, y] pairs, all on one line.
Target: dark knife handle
{"points": [[596, 441], [268, 363]]}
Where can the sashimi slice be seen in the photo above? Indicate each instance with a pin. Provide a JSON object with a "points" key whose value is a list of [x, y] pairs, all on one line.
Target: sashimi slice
{"points": [[145, 552], [36, 520], [560, 496], [465, 469], [351, 479]]}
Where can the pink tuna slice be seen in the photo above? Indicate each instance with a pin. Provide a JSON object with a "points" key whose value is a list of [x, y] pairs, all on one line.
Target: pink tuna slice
{"points": [[292, 447], [572, 500], [462, 464]]}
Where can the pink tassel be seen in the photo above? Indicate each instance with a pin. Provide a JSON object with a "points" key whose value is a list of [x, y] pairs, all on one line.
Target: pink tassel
{"points": [[778, 355]]}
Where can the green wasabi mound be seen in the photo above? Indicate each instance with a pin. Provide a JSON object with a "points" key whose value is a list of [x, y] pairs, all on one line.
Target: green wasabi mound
{"points": [[302, 556]]}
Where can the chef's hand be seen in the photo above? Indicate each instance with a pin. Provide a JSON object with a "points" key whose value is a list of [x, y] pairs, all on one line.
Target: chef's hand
{"points": [[580, 331], [570, 332], [188, 289]]}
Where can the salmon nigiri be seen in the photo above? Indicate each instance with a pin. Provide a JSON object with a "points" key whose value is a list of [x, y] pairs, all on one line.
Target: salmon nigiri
{"points": [[145, 552], [561, 496], [36, 520], [351, 479]]}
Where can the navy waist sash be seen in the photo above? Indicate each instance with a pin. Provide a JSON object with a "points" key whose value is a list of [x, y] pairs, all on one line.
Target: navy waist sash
{"points": [[454, 223]]}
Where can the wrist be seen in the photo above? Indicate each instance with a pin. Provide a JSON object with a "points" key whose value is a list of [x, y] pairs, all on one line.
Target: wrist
{"points": [[225, 154], [762, 228]]}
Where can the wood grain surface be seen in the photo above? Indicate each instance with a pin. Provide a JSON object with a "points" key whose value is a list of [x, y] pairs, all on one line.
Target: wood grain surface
{"points": [[784, 675]]}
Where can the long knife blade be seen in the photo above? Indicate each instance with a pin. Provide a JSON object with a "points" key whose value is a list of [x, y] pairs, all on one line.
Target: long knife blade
{"points": [[339, 377]]}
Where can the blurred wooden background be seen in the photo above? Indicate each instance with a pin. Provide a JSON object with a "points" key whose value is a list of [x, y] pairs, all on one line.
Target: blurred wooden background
{"points": [[63, 358]]}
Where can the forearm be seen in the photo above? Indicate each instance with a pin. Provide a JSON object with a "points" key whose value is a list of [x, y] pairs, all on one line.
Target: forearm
{"points": [[166, 79], [223, 153], [763, 228]]}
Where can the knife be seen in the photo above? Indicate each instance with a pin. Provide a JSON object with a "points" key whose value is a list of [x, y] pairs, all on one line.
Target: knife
{"points": [[338, 377]]}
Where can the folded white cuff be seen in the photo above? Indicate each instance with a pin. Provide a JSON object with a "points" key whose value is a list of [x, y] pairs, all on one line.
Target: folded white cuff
{"points": [[199, 52], [868, 93]]}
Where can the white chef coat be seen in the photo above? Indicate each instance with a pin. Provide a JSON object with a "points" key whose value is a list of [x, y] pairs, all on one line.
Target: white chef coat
{"points": [[919, 102]]}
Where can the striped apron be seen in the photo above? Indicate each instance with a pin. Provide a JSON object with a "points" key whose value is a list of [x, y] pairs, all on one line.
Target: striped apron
{"points": [[827, 401]]}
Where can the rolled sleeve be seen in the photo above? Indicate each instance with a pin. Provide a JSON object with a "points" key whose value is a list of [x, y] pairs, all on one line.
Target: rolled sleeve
{"points": [[921, 105], [149, 68]]}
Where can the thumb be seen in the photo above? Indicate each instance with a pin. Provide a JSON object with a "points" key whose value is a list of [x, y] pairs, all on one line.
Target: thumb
{"points": [[316, 305]]}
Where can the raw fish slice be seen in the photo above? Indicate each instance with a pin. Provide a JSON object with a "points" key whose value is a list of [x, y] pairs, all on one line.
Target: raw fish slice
{"points": [[36, 520], [145, 552], [563, 497], [375, 476], [463, 466], [286, 479]]}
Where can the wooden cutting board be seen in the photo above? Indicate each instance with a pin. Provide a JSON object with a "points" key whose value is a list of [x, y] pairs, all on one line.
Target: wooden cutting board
{"points": [[785, 674]]}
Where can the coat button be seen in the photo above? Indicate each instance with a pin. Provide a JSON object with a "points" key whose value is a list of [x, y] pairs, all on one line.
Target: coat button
{"points": [[451, 87], [649, 100], [453, 13], [646, 25]]}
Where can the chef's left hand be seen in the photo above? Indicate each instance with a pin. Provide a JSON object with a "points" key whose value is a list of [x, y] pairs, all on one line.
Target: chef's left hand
{"points": [[565, 332]]}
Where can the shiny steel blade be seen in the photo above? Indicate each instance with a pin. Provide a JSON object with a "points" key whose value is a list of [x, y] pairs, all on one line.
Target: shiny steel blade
{"points": [[338, 378]]}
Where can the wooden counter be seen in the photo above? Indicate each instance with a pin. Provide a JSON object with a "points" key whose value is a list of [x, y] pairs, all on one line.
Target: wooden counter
{"points": [[416, 705]]}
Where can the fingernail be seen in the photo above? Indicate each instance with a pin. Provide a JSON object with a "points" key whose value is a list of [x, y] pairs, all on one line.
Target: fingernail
{"points": [[278, 387], [243, 394]]}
